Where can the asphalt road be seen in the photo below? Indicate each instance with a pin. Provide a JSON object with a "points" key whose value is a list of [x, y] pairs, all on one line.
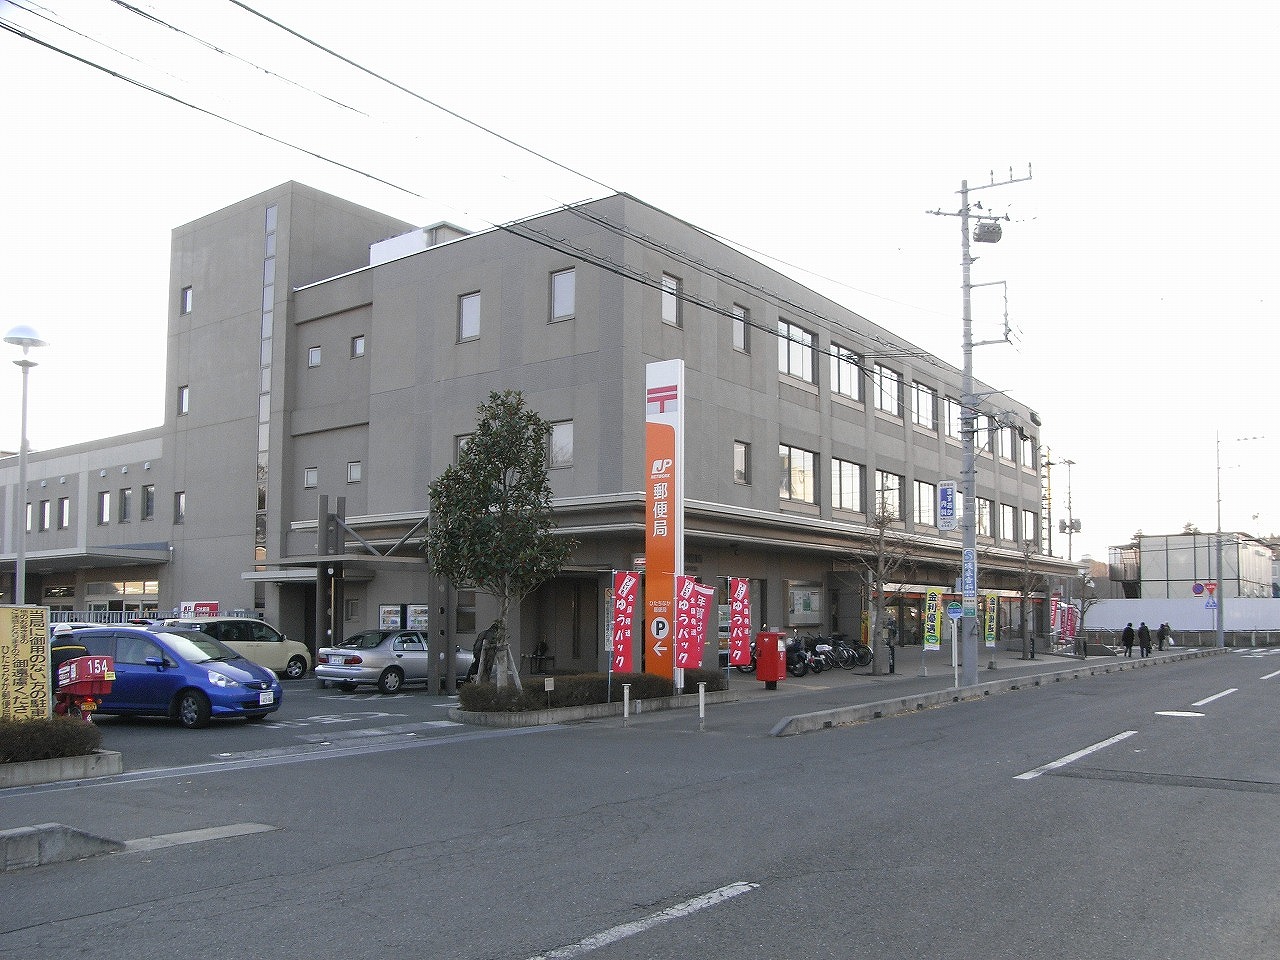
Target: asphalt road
{"points": [[368, 827]]}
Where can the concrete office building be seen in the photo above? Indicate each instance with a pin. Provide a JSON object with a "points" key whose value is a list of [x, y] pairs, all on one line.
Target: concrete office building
{"points": [[324, 362]]}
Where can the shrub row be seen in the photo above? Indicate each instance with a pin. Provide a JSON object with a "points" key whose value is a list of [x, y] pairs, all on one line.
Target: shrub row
{"points": [[579, 689], [42, 739]]}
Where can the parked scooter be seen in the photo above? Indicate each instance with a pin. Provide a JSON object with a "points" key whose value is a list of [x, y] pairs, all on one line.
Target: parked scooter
{"points": [[798, 657]]}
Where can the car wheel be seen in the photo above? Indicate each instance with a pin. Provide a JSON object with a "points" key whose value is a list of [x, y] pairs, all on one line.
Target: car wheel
{"points": [[296, 668], [191, 709], [390, 680]]}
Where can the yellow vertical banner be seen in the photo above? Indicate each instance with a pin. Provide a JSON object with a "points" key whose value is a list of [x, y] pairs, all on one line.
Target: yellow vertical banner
{"points": [[993, 607], [25, 688], [664, 510], [933, 620]]}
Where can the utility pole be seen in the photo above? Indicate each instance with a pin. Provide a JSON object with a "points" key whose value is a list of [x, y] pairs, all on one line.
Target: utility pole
{"points": [[989, 232]]}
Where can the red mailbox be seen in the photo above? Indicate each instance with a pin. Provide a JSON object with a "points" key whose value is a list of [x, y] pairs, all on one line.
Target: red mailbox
{"points": [[771, 657]]}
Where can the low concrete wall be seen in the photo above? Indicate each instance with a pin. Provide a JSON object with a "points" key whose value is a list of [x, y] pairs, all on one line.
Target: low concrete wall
{"points": [[590, 711], [843, 716], [100, 763], [24, 847]]}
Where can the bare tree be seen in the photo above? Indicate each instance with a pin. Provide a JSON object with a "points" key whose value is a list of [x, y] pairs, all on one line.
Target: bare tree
{"points": [[1029, 582], [886, 559]]}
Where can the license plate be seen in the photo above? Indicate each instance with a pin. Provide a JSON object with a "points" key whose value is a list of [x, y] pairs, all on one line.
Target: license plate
{"points": [[336, 659], [266, 697]]}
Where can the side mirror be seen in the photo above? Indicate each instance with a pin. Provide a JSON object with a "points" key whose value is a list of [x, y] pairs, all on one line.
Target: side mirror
{"points": [[157, 662]]}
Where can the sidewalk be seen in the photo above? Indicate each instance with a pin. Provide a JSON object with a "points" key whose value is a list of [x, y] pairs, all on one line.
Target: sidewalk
{"points": [[838, 697]]}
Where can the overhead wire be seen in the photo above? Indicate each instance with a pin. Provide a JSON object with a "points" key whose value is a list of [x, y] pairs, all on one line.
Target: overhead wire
{"points": [[875, 347]]}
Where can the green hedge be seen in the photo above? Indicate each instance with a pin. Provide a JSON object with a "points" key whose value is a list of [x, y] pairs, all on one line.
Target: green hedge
{"points": [[22, 740], [579, 689]]}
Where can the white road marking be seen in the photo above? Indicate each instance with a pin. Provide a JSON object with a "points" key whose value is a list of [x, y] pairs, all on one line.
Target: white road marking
{"points": [[1270, 675], [1216, 696], [195, 836], [624, 930], [1071, 758], [1178, 713]]}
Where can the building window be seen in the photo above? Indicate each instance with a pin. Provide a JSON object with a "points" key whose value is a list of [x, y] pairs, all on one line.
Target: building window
{"points": [[351, 609], [184, 301], [184, 400], [1028, 458], [357, 346], [846, 373], [982, 433], [926, 504], [180, 507], [459, 444], [671, 304], [846, 485], [1007, 439], [796, 352], [560, 445], [1030, 527], [888, 495], [148, 501], [951, 408], [355, 471], [44, 514], [924, 406], [1008, 522], [64, 513], [982, 520], [563, 294], [741, 462], [126, 504], [104, 507], [311, 477], [313, 357], [799, 479], [29, 518], [468, 317], [741, 328], [888, 390]]}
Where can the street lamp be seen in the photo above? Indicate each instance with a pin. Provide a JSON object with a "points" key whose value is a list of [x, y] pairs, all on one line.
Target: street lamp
{"points": [[26, 338]]}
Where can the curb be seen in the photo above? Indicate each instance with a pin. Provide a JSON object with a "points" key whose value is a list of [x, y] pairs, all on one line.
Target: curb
{"points": [[589, 711], [858, 713], [24, 847], [100, 763]]}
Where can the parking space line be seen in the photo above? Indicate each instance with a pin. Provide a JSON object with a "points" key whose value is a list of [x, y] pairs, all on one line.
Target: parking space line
{"points": [[624, 930], [1269, 676], [1071, 758]]}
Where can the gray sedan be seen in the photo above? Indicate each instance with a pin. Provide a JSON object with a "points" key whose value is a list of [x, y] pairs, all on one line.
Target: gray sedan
{"points": [[387, 658]]}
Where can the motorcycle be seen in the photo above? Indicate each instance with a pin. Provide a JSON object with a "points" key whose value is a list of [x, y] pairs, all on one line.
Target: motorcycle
{"points": [[798, 657]]}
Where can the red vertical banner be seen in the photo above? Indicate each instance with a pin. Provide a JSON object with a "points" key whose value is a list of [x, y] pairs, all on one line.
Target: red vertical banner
{"points": [[739, 621], [693, 614], [1055, 612], [1069, 621], [625, 588]]}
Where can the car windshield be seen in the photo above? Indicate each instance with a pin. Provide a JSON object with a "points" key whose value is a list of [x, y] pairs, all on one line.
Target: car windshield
{"points": [[196, 647], [364, 641]]}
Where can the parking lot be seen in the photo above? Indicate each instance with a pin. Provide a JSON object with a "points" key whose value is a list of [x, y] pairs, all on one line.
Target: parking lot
{"points": [[309, 718]]}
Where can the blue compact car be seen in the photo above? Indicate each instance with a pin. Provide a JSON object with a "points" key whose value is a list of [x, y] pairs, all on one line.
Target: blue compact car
{"points": [[185, 675]]}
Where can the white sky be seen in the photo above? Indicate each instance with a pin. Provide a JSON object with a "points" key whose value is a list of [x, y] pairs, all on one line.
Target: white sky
{"points": [[1139, 262]]}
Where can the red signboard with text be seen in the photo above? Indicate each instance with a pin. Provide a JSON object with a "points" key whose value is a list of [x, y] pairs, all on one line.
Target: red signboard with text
{"points": [[625, 588], [739, 621]]}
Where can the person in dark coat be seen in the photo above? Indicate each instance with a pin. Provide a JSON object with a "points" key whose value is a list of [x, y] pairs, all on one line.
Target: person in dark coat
{"points": [[1127, 639], [1162, 632], [1144, 639]]}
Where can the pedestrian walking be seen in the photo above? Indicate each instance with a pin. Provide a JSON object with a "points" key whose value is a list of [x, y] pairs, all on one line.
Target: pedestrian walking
{"points": [[1144, 639], [1168, 635], [1162, 632], [1127, 639]]}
